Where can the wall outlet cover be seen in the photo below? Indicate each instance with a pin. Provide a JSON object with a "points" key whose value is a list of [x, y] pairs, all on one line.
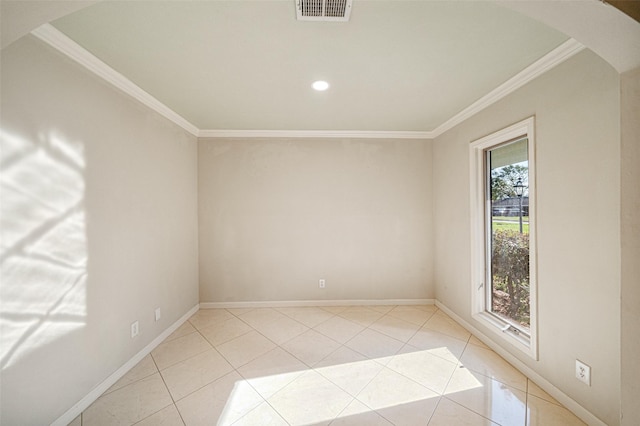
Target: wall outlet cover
{"points": [[583, 372]]}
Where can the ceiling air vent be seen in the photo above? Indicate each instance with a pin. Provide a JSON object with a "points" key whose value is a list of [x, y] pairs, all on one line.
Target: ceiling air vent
{"points": [[323, 10]]}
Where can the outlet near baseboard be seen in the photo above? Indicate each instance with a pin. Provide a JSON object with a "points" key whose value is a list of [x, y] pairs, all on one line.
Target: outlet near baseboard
{"points": [[135, 329], [583, 372]]}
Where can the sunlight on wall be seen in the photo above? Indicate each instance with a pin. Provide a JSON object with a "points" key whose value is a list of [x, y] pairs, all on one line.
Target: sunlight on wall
{"points": [[319, 406], [43, 253]]}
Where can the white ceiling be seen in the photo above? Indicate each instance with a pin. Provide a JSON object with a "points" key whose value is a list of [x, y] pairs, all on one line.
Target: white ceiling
{"points": [[397, 66], [249, 65]]}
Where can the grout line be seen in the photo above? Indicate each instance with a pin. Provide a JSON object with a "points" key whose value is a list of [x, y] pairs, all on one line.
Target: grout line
{"points": [[166, 386], [314, 368], [436, 409], [186, 359], [278, 346], [309, 327], [345, 407], [180, 414], [108, 392], [173, 402], [154, 362], [473, 411]]}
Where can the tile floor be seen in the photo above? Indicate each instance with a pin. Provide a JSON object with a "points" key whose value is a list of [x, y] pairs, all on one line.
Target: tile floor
{"points": [[358, 365]]}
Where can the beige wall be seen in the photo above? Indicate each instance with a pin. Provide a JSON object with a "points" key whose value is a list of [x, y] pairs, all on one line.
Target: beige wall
{"points": [[630, 236], [277, 215], [576, 106], [99, 227]]}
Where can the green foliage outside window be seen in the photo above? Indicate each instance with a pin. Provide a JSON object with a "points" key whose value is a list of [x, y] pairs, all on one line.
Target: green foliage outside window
{"points": [[510, 271], [504, 179]]}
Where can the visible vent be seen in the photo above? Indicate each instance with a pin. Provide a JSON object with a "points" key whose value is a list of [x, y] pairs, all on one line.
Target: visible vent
{"points": [[323, 10]]}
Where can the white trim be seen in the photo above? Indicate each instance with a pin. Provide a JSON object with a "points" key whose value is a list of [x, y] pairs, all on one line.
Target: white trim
{"points": [[92, 396], [557, 56], [73, 50], [302, 303], [56, 39], [577, 409], [479, 247], [315, 134]]}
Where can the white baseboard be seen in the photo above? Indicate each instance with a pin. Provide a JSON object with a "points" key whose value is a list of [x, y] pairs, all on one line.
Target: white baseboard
{"points": [[584, 414], [302, 303], [92, 396]]}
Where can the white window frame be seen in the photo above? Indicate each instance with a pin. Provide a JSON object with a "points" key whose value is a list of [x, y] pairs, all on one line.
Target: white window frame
{"points": [[480, 245]]}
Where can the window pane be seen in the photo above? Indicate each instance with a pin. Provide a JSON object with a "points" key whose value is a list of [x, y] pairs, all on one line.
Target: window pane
{"points": [[508, 263]]}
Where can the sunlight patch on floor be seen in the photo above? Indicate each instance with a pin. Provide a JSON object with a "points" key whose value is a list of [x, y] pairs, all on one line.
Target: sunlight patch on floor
{"points": [[307, 395]]}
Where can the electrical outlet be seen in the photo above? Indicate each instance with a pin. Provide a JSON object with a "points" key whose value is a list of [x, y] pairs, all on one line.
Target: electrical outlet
{"points": [[321, 283], [135, 329], [158, 314], [583, 372]]}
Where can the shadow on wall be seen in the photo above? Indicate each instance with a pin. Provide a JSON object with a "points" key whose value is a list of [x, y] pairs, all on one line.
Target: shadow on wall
{"points": [[43, 253]]}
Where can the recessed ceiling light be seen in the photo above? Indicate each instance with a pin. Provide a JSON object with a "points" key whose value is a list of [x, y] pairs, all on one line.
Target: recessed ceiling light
{"points": [[320, 85]]}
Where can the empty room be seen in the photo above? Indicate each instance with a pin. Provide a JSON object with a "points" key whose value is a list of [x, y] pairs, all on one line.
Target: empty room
{"points": [[314, 212]]}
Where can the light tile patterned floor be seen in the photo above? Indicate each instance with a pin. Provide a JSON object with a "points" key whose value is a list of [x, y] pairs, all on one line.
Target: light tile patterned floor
{"points": [[373, 365]]}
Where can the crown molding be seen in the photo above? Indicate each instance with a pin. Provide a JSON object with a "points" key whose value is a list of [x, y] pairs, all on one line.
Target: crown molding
{"points": [[314, 134], [539, 67], [56, 39], [73, 50], [557, 56]]}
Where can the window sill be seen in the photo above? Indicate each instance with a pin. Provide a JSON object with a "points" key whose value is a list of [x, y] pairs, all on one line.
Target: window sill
{"points": [[506, 332]]}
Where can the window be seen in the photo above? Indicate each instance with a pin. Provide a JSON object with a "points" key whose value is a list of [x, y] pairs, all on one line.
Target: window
{"points": [[503, 234]]}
